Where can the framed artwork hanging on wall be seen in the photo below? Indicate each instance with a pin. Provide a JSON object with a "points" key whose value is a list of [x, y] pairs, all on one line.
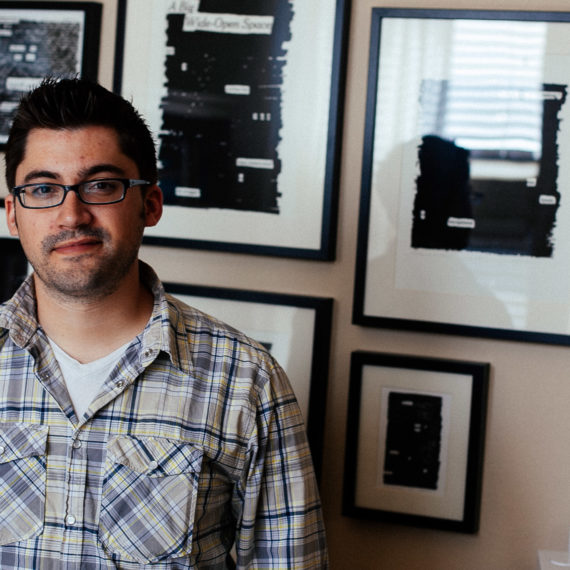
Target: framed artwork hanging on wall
{"points": [[295, 329], [245, 103], [415, 440], [39, 39], [464, 227]]}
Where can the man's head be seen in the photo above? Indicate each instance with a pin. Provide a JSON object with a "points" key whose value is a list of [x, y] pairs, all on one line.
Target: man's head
{"points": [[60, 104], [65, 162]]}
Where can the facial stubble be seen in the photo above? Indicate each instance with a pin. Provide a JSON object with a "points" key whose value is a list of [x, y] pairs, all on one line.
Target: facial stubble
{"points": [[85, 284]]}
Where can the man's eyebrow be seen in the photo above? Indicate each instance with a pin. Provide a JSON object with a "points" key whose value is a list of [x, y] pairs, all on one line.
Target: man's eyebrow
{"points": [[85, 173], [33, 174]]}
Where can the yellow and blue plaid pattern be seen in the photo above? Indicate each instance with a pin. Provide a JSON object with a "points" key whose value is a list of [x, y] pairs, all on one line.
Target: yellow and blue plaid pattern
{"points": [[194, 441]]}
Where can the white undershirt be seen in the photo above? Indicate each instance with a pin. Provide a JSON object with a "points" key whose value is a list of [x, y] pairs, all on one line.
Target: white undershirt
{"points": [[84, 381]]}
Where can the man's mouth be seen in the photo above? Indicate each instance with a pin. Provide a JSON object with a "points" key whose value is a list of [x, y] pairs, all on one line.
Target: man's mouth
{"points": [[74, 242], [77, 246]]}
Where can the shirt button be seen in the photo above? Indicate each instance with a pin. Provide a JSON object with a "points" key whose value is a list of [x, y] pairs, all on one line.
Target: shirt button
{"points": [[120, 383], [77, 444], [2, 450], [153, 465], [70, 520]]}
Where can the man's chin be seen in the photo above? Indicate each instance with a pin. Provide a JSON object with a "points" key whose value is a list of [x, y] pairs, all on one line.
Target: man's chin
{"points": [[76, 285], [86, 276]]}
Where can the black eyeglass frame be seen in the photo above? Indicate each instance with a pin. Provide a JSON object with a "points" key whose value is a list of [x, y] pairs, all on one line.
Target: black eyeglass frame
{"points": [[126, 182]]}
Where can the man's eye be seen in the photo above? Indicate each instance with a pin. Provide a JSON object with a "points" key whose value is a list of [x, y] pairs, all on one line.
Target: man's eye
{"points": [[101, 186], [43, 191]]}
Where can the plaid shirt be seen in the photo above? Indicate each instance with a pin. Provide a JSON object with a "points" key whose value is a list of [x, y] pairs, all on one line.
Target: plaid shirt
{"points": [[194, 441]]}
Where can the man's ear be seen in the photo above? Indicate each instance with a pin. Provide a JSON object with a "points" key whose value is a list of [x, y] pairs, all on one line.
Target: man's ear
{"points": [[153, 205], [10, 205]]}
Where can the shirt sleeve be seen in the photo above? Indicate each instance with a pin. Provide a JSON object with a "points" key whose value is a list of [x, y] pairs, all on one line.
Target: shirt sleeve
{"points": [[280, 523]]}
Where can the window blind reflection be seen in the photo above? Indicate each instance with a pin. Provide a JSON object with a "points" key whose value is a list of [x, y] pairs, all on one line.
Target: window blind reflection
{"points": [[492, 103]]}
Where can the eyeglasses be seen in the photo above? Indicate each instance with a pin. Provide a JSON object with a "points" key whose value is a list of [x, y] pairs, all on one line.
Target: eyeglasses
{"points": [[100, 191]]}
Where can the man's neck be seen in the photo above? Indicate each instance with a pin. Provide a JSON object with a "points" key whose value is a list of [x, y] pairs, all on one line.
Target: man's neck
{"points": [[89, 329]]}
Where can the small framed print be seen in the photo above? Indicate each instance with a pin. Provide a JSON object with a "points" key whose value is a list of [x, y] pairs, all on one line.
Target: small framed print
{"points": [[39, 39], [415, 440], [294, 328], [463, 226]]}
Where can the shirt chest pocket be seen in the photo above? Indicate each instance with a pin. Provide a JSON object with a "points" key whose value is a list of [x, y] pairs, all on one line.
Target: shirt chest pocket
{"points": [[22, 481], [149, 498]]}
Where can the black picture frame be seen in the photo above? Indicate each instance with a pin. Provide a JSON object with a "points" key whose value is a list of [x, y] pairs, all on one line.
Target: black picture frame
{"points": [[41, 39], [296, 329], [415, 440], [14, 267], [480, 269], [236, 177]]}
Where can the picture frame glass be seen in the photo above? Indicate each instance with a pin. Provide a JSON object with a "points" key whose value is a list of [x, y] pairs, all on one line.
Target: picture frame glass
{"points": [[27, 43], [466, 160], [39, 39], [415, 440], [443, 494], [246, 158]]}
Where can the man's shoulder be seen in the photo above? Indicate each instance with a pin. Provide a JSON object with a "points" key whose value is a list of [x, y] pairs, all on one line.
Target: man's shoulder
{"points": [[4, 321], [199, 328], [18, 314], [221, 356], [15, 332]]}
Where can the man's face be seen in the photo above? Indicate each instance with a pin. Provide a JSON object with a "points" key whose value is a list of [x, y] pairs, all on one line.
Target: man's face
{"points": [[78, 250]]}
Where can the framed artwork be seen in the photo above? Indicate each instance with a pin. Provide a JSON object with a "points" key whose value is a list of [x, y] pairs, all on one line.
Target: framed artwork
{"points": [[245, 104], [294, 328], [463, 224], [38, 39], [415, 440]]}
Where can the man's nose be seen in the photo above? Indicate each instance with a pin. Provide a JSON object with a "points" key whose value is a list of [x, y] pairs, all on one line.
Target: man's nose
{"points": [[73, 212]]}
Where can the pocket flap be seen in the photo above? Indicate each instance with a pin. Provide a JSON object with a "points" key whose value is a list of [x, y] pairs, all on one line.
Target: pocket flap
{"points": [[20, 440], [155, 456]]}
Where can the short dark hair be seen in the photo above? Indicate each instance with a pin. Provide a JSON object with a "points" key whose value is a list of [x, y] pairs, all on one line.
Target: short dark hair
{"points": [[73, 103]]}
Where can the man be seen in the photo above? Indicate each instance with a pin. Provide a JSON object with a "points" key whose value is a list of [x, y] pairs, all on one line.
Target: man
{"points": [[136, 432]]}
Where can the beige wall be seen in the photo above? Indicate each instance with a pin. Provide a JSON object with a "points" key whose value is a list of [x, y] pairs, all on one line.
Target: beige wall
{"points": [[526, 496]]}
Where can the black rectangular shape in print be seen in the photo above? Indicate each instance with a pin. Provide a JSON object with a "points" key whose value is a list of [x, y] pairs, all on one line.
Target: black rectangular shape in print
{"points": [[222, 111], [413, 440]]}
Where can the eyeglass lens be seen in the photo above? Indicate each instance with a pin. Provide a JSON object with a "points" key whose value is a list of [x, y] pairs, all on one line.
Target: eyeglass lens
{"points": [[46, 195]]}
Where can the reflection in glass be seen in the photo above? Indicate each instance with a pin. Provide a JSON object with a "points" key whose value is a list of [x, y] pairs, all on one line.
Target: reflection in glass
{"points": [[489, 153]]}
